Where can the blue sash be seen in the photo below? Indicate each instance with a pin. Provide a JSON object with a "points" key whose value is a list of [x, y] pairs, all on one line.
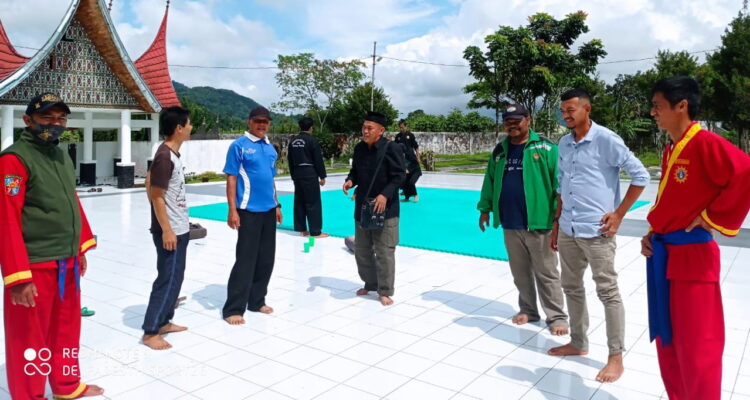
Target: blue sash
{"points": [[659, 319], [62, 269]]}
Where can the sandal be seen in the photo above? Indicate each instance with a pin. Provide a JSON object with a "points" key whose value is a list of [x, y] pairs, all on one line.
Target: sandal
{"points": [[85, 312]]}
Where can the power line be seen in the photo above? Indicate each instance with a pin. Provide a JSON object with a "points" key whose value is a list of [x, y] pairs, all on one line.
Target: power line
{"points": [[368, 58], [219, 67], [652, 58], [425, 62]]}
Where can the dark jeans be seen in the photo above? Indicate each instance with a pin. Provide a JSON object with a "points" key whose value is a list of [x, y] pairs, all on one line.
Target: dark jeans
{"points": [[255, 253], [308, 209], [166, 287]]}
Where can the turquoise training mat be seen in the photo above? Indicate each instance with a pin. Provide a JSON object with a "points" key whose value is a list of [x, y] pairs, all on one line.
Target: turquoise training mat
{"points": [[444, 220]]}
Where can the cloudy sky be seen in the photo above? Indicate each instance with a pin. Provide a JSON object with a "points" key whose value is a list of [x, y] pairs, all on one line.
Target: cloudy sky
{"points": [[250, 33]]}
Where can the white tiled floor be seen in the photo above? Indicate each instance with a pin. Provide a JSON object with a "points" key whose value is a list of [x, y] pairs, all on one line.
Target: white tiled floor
{"points": [[448, 335]]}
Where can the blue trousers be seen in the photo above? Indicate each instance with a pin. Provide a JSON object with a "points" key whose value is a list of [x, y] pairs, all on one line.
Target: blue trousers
{"points": [[166, 288]]}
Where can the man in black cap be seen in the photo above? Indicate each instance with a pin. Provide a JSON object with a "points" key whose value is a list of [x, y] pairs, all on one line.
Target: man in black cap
{"points": [[377, 172], [520, 191], [254, 210], [309, 174], [45, 238]]}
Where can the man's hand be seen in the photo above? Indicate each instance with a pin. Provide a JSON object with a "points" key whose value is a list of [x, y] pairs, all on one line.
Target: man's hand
{"points": [[700, 222], [169, 240], [380, 203], [83, 264], [553, 236], [323, 182], [23, 294], [484, 220], [348, 185], [279, 216], [610, 223], [234, 219], [646, 248]]}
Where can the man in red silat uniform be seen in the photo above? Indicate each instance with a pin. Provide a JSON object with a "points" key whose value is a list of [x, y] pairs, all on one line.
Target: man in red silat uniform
{"points": [[42, 255], [704, 187]]}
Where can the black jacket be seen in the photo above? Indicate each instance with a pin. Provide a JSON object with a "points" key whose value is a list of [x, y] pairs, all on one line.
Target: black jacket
{"points": [[305, 157], [390, 176], [408, 139]]}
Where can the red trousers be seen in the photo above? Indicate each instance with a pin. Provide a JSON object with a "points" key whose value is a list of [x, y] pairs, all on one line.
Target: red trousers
{"points": [[691, 364], [43, 341]]}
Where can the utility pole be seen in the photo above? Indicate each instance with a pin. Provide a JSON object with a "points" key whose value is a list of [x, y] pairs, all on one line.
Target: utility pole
{"points": [[372, 84]]}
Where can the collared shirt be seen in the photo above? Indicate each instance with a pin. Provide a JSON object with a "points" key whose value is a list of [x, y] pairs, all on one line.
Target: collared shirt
{"points": [[389, 178], [252, 160], [589, 176]]}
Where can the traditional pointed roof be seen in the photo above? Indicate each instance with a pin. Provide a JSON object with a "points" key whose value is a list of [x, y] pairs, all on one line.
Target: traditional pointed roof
{"points": [[10, 60], [153, 67], [86, 62]]}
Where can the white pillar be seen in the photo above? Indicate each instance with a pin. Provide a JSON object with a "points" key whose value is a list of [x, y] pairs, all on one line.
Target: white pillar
{"points": [[88, 137], [7, 128], [125, 133], [154, 138]]}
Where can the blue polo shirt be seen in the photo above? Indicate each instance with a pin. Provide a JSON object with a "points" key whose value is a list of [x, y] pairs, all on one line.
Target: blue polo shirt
{"points": [[253, 161]]}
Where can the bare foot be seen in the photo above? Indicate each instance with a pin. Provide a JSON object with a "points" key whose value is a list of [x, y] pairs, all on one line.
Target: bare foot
{"points": [[362, 292], [322, 235], [235, 320], [93, 390], [416, 199], [613, 370], [520, 319], [170, 327], [304, 233], [566, 350], [386, 301], [265, 310], [558, 330], [156, 342]]}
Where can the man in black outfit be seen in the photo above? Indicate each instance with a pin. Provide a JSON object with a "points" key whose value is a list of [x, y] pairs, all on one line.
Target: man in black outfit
{"points": [[309, 174], [375, 249], [411, 152]]}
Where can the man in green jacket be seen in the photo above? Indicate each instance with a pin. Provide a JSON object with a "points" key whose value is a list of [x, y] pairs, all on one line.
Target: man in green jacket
{"points": [[519, 189]]}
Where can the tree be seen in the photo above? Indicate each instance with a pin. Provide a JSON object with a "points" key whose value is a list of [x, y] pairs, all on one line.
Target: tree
{"points": [[315, 85], [347, 115], [730, 78], [527, 63]]}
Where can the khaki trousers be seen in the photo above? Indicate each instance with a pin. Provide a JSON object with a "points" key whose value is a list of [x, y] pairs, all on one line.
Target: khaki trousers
{"points": [[599, 252], [534, 268]]}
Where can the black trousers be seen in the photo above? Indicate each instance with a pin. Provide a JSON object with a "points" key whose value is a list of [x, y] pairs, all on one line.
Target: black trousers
{"points": [[255, 253], [308, 209], [410, 184]]}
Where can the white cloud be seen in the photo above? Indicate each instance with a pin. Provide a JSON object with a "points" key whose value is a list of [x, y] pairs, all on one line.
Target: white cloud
{"points": [[201, 34]]}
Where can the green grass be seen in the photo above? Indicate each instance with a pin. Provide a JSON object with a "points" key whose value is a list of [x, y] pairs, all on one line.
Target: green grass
{"points": [[460, 160], [471, 171], [650, 159]]}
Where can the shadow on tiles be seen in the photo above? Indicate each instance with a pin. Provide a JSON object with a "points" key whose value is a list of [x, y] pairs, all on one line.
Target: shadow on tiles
{"points": [[130, 321], [470, 305], [211, 297], [573, 388], [480, 313], [339, 289]]}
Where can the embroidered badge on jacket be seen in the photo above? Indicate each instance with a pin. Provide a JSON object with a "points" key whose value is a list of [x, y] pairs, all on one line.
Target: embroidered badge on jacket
{"points": [[12, 184]]}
